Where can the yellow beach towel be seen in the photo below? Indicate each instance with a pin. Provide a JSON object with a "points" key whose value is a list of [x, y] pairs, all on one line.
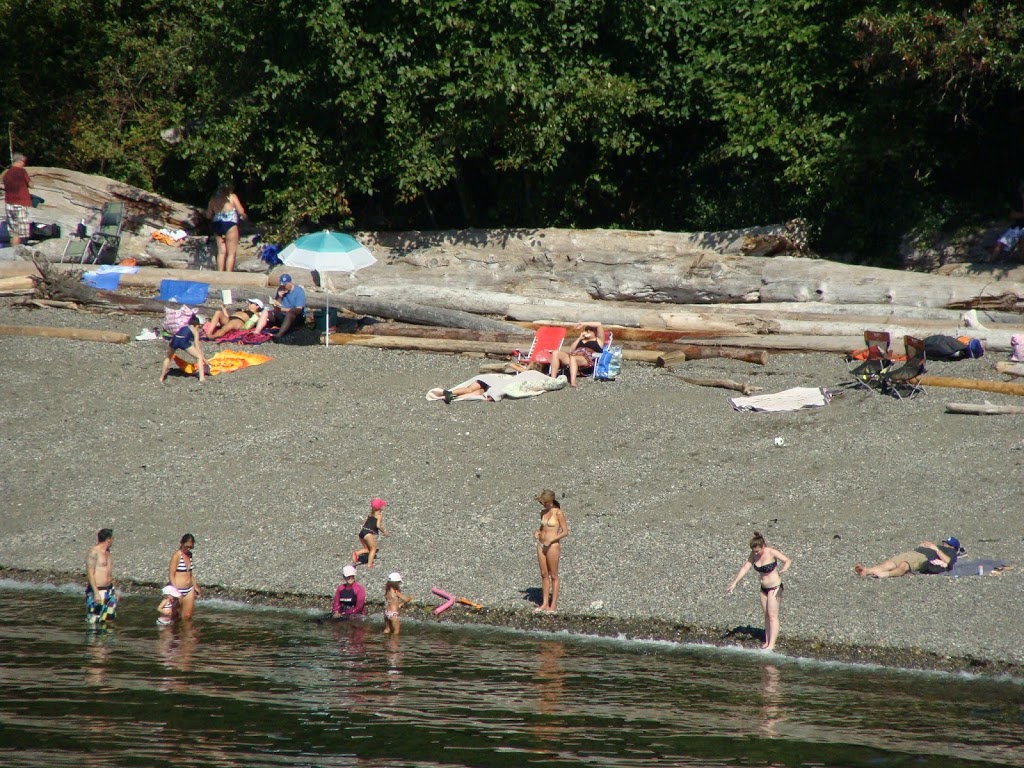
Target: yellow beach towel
{"points": [[225, 361]]}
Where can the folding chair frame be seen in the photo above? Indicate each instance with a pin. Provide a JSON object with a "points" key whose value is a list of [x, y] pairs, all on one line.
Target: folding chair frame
{"points": [[900, 383], [871, 371]]}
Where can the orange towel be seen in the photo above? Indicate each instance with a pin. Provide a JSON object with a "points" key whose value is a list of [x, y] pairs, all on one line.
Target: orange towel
{"points": [[224, 361]]}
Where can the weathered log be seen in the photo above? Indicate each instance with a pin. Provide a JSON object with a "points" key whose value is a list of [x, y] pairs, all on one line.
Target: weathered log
{"points": [[987, 409], [623, 333], [699, 352], [671, 358], [78, 334], [1010, 369], [424, 315], [19, 283], [837, 344], [1002, 387], [745, 389], [423, 345], [409, 330], [455, 346], [151, 277], [995, 338]]}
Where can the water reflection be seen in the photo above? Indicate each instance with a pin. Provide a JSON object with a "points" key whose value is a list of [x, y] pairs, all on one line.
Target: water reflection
{"points": [[98, 641], [548, 691], [276, 690], [176, 646], [771, 699]]}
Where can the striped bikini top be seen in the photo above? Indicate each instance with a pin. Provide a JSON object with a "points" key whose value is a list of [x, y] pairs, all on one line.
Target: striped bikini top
{"points": [[184, 563]]}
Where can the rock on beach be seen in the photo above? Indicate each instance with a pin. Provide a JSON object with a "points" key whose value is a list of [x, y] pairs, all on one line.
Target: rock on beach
{"points": [[272, 468]]}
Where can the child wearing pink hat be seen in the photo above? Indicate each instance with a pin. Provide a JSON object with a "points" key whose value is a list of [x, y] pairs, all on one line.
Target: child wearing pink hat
{"points": [[372, 528]]}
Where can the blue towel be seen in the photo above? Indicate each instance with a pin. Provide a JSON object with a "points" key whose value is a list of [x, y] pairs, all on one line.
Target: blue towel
{"points": [[970, 567], [104, 281], [183, 291]]}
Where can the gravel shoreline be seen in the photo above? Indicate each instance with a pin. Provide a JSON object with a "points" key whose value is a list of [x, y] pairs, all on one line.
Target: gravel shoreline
{"points": [[662, 482]]}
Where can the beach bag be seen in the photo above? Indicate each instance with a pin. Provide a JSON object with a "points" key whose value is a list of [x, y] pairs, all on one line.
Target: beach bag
{"points": [[174, 319], [608, 364]]}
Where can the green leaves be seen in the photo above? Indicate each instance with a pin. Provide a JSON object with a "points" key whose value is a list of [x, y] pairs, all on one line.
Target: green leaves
{"points": [[677, 114]]}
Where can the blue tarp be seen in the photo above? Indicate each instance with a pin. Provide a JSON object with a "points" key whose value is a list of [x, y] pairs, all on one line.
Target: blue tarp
{"points": [[183, 291]]}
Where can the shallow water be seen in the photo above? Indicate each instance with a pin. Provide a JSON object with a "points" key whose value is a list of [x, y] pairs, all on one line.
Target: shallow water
{"points": [[258, 687]]}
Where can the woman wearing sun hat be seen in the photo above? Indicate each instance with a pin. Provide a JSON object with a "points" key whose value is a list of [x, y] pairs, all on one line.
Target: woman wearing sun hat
{"points": [[241, 319], [372, 528]]}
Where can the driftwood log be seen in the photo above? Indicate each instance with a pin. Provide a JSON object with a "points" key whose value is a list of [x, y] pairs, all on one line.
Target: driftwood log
{"points": [[16, 286], [1010, 369], [697, 352], [423, 315], [78, 334], [1002, 387], [736, 386], [972, 409]]}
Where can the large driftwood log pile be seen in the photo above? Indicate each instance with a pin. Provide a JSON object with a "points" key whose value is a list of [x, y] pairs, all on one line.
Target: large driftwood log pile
{"points": [[717, 289]]}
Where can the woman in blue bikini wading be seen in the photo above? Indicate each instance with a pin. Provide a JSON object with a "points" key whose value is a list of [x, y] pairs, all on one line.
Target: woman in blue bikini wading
{"points": [[766, 561]]}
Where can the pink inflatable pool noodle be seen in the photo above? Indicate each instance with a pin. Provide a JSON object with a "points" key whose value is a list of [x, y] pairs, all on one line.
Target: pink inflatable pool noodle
{"points": [[449, 601]]}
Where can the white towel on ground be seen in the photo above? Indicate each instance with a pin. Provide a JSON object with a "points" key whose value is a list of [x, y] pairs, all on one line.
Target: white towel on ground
{"points": [[794, 399]]}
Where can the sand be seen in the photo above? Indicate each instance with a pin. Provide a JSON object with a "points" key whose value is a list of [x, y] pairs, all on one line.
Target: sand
{"points": [[272, 468]]}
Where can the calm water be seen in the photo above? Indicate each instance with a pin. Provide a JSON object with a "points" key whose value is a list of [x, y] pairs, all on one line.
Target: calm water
{"points": [[245, 687]]}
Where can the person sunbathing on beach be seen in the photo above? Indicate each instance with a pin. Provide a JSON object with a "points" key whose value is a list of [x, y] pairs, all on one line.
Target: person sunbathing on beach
{"points": [[582, 353], [766, 560], [927, 557], [224, 322]]}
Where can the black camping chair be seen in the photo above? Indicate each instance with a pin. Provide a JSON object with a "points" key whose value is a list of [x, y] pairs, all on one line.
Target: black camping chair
{"points": [[901, 382]]}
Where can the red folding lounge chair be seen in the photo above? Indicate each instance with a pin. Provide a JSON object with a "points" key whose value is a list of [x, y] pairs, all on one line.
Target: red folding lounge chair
{"points": [[546, 341]]}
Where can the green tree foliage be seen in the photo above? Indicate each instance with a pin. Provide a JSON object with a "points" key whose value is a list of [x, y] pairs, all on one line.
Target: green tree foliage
{"points": [[864, 117]]}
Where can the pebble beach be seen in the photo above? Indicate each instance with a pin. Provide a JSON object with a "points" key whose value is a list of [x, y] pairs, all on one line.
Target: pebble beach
{"points": [[663, 483]]}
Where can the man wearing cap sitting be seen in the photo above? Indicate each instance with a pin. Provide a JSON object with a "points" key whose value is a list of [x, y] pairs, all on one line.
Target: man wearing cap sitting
{"points": [[349, 597], [926, 558], [285, 308]]}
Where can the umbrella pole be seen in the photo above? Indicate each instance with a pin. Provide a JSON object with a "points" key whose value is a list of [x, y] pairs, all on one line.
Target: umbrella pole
{"points": [[327, 321]]}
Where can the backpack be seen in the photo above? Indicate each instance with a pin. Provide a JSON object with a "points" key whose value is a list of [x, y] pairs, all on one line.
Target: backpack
{"points": [[608, 364]]}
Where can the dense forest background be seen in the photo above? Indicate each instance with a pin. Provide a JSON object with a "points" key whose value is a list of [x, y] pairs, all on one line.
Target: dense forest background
{"points": [[868, 119]]}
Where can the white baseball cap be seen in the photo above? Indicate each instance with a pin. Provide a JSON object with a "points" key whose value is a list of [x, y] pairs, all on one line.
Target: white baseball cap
{"points": [[171, 591], [396, 576], [348, 570]]}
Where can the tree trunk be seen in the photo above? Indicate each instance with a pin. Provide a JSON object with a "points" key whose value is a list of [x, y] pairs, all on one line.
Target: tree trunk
{"points": [[1003, 387], [984, 410], [698, 352], [1010, 369], [79, 334], [421, 315]]}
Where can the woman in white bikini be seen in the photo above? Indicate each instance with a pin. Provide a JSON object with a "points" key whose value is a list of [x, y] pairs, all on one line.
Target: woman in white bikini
{"points": [[181, 577], [553, 528], [765, 560], [224, 212]]}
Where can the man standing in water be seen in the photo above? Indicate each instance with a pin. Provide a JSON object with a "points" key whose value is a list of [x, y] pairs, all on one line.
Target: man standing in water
{"points": [[100, 599]]}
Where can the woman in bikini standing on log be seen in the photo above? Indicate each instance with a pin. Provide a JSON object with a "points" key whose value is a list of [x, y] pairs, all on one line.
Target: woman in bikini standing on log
{"points": [[180, 575], [553, 528]]}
